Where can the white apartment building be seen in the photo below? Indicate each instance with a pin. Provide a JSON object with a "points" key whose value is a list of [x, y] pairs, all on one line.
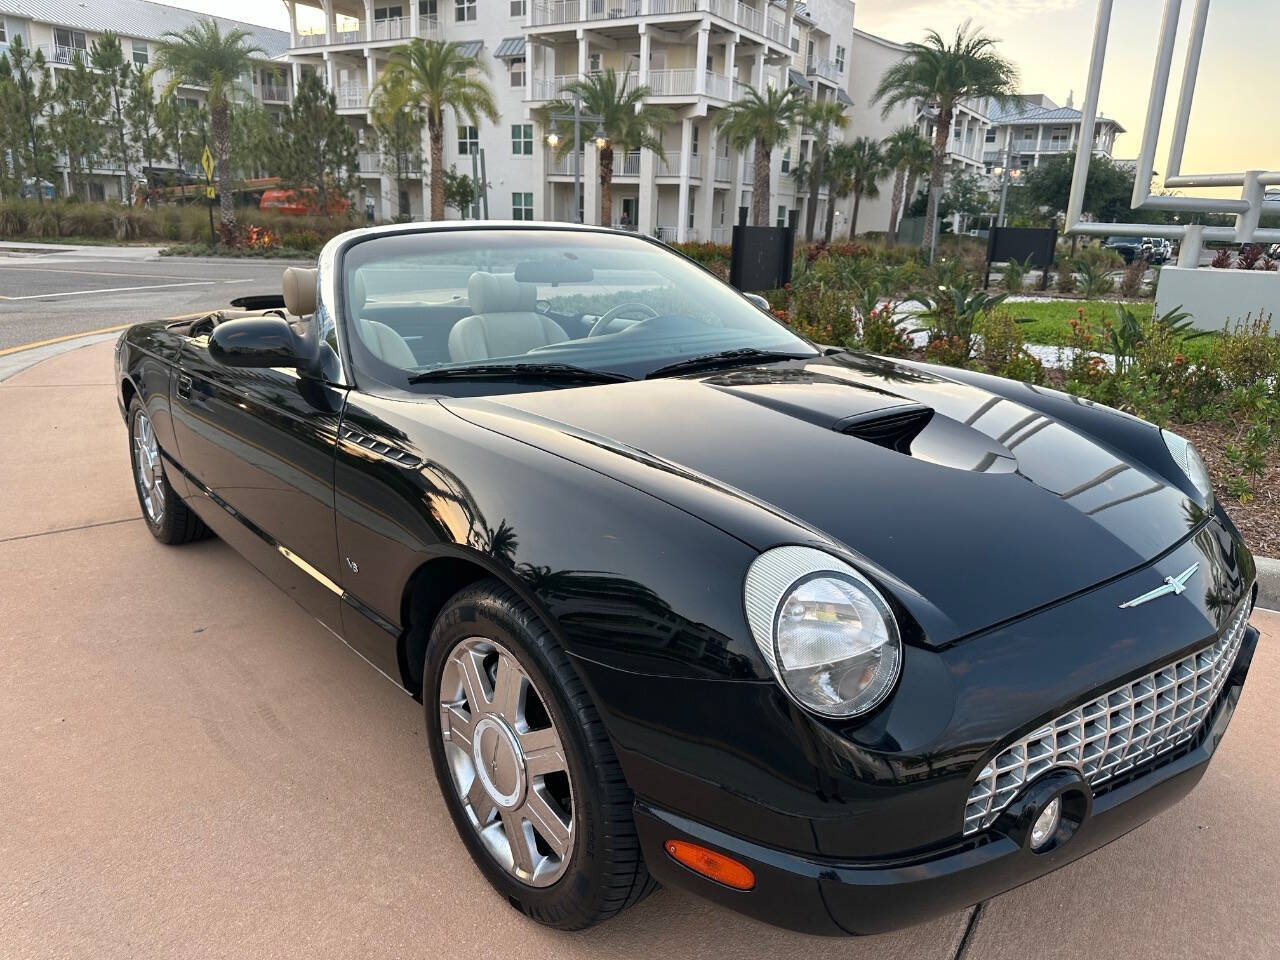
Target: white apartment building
{"points": [[1035, 128], [695, 55], [871, 56], [63, 30]]}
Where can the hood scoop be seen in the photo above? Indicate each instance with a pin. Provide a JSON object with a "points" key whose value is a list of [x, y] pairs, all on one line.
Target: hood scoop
{"points": [[893, 428]]}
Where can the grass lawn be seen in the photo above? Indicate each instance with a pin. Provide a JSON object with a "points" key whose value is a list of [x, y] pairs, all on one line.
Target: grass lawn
{"points": [[1050, 323]]}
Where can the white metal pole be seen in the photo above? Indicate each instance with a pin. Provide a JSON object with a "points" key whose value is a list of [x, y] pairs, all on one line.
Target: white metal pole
{"points": [[1195, 42], [1155, 104], [1089, 114]]}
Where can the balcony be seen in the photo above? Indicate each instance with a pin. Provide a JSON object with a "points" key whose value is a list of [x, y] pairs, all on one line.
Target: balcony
{"points": [[627, 165], [57, 53], [823, 68], [393, 28], [564, 166], [556, 12], [352, 96], [370, 163], [723, 169], [748, 173], [673, 83], [309, 40], [429, 28], [666, 234], [271, 92], [721, 235], [669, 165], [550, 88], [374, 164]]}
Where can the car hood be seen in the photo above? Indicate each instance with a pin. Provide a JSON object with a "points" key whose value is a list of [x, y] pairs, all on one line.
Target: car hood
{"points": [[978, 506]]}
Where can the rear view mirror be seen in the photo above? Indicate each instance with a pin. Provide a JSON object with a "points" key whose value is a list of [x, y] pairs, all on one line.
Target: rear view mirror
{"points": [[267, 341]]}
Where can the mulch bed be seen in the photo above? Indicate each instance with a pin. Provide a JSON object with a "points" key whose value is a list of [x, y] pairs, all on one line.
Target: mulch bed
{"points": [[1259, 519]]}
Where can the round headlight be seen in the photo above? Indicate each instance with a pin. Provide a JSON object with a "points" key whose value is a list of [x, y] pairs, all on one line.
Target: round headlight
{"points": [[826, 632], [1188, 459]]}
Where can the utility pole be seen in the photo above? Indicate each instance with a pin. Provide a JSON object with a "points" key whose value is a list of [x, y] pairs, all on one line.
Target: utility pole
{"points": [[1005, 174]]}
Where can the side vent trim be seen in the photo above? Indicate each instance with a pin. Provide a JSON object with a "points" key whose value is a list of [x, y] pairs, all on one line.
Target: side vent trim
{"points": [[380, 447]]}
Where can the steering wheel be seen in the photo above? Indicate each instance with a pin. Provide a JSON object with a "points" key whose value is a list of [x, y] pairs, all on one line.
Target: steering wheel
{"points": [[601, 326]]}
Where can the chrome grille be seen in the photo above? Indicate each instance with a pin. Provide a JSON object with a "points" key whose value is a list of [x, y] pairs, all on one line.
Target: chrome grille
{"points": [[1114, 733]]}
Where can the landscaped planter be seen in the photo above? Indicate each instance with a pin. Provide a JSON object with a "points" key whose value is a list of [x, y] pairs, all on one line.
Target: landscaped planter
{"points": [[1214, 296]]}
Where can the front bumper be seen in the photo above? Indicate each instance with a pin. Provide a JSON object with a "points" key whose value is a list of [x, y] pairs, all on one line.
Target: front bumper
{"points": [[831, 897]]}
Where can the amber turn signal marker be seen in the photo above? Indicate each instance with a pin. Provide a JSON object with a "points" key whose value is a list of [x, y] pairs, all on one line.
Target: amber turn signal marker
{"points": [[714, 866]]}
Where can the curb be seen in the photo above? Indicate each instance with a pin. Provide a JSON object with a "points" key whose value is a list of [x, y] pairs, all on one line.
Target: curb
{"points": [[15, 363], [1268, 583]]}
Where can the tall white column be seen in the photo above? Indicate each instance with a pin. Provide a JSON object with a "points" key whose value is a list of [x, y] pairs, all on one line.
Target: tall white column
{"points": [[706, 193], [330, 72], [330, 22], [584, 48], [645, 45], [731, 61], [700, 77], [647, 214], [591, 182], [366, 32], [686, 168], [371, 72], [293, 23], [757, 79]]}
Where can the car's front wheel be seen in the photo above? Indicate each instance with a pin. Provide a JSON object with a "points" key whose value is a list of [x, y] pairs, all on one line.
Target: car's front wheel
{"points": [[167, 517], [526, 768]]}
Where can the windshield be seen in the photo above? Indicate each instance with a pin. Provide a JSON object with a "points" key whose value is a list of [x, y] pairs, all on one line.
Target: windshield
{"points": [[424, 308], [1126, 241]]}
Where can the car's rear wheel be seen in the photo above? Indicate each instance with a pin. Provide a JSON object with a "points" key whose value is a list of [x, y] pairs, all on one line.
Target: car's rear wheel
{"points": [[167, 517], [526, 768]]}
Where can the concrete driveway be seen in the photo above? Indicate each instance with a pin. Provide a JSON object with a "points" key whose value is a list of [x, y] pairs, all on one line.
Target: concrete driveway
{"points": [[191, 767]]}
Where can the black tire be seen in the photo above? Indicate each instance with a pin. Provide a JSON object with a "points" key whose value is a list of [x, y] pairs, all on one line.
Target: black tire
{"points": [[174, 522], [605, 873]]}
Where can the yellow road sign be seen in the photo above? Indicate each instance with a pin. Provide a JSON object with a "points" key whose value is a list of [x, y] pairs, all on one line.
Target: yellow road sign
{"points": [[206, 161], [210, 192]]}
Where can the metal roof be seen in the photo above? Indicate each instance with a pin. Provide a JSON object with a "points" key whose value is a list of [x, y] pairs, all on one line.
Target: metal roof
{"points": [[510, 47], [798, 79], [842, 97], [135, 18], [471, 48], [1023, 111]]}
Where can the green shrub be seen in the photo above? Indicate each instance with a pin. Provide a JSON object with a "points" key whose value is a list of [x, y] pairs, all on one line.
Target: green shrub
{"points": [[885, 333], [1249, 353], [824, 315], [307, 241]]}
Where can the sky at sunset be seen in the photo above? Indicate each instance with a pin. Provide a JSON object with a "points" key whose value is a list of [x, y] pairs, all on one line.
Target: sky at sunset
{"points": [[1235, 123]]}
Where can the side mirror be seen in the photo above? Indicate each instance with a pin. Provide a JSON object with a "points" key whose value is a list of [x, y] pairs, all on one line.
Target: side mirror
{"points": [[759, 301], [263, 342]]}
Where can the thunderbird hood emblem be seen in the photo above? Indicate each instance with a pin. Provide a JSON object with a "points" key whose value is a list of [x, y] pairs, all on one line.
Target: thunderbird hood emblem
{"points": [[1174, 585]]}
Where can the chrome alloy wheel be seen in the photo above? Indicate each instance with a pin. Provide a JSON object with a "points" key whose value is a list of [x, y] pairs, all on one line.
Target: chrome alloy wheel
{"points": [[507, 761], [150, 474]]}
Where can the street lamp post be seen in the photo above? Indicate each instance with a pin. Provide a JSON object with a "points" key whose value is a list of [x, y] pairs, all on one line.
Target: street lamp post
{"points": [[553, 140], [1005, 174]]}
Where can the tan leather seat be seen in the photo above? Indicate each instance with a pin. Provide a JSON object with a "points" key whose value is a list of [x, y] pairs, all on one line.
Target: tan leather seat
{"points": [[503, 321], [380, 340], [299, 285]]}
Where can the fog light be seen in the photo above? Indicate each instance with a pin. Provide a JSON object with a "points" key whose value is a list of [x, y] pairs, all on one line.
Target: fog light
{"points": [[1046, 824]]}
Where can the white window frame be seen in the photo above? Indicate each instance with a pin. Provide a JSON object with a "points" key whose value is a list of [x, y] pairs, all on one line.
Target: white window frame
{"points": [[519, 9], [522, 205], [782, 214], [518, 77], [468, 139], [464, 11], [522, 139], [840, 55]]}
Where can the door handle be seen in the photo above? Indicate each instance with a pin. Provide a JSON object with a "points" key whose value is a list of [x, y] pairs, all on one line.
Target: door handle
{"points": [[184, 387]]}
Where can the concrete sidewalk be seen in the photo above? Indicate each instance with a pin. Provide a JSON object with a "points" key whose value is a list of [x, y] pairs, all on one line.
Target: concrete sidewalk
{"points": [[192, 767]]}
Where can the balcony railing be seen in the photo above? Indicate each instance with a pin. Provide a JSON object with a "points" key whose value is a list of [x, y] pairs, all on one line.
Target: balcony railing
{"points": [[718, 86], [748, 172], [673, 83], [393, 28], [352, 96], [550, 88], [564, 166], [669, 164], [723, 168], [553, 12], [348, 36], [373, 163], [628, 165], [720, 235], [309, 40], [822, 67], [666, 234], [271, 92], [429, 28], [57, 53]]}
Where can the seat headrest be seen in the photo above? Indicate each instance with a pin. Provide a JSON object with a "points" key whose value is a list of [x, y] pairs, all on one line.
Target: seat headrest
{"points": [[300, 291], [500, 293]]}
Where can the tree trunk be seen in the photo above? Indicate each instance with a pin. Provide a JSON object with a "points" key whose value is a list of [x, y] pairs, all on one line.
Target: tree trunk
{"points": [[124, 148], [895, 210], [937, 173], [831, 216], [436, 135], [853, 222], [606, 187], [221, 122], [817, 165], [761, 187]]}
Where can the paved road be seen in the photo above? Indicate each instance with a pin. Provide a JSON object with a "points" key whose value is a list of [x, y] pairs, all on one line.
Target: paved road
{"points": [[49, 295], [192, 767]]}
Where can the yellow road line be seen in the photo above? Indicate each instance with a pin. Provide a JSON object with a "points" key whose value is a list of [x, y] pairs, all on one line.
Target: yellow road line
{"points": [[69, 336]]}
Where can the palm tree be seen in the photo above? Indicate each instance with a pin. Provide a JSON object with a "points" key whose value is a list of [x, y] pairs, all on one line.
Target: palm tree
{"points": [[766, 120], [867, 167], [202, 55], [823, 117], [837, 175], [441, 76], [628, 122], [940, 75], [909, 155]]}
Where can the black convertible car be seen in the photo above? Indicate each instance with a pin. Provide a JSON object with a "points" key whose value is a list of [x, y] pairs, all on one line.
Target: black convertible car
{"points": [[836, 641]]}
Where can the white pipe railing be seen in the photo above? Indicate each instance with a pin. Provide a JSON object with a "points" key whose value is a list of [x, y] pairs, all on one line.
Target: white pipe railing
{"points": [[352, 96]]}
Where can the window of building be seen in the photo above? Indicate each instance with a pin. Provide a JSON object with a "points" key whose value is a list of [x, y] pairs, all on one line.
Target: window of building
{"points": [[141, 53], [97, 192], [519, 8], [692, 197], [4, 33], [840, 53], [517, 71], [782, 215], [795, 48], [786, 160], [69, 39], [694, 142], [428, 9], [593, 63], [711, 64], [522, 139], [468, 140], [991, 135], [522, 206], [464, 10], [387, 13]]}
